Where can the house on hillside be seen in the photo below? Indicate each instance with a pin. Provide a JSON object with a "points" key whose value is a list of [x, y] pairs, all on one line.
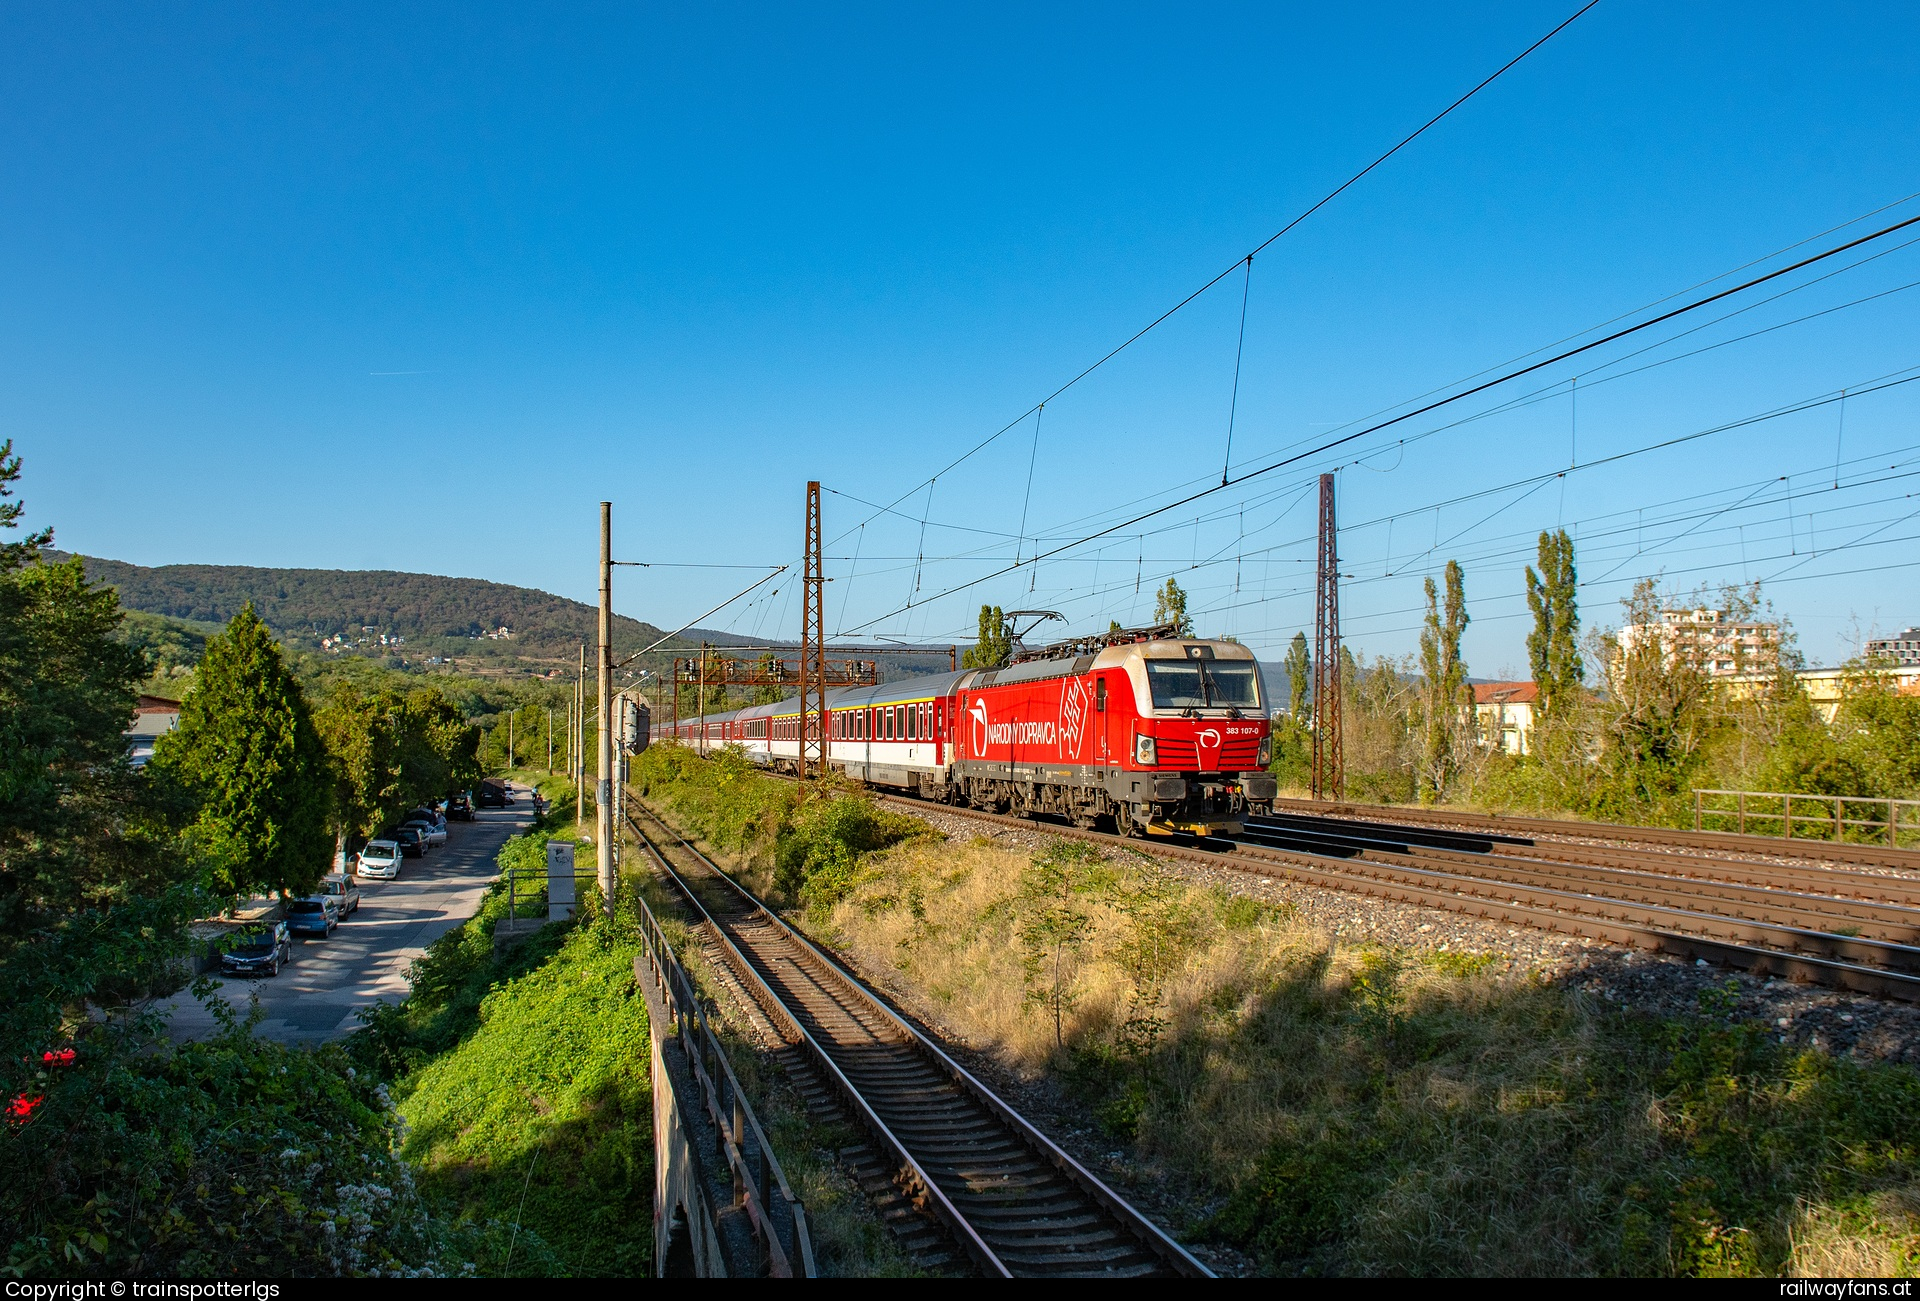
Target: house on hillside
{"points": [[1504, 714], [153, 718]]}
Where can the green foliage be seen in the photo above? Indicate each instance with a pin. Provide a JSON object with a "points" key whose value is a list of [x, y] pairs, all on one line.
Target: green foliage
{"points": [[76, 824], [993, 643], [1299, 666], [21, 551], [1170, 606], [1553, 648], [812, 838], [247, 750], [1055, 925], [393, 750], [542, 1115], [230, 1156], [1446, 701]]}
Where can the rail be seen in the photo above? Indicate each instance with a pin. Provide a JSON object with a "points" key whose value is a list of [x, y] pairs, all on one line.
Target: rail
{"points": [[1831, 816], [759, 1184], [931, 1194]]}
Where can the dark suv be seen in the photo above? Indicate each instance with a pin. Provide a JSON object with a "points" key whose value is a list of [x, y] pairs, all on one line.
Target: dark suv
{"points": [[411, 842], [458, 809]]}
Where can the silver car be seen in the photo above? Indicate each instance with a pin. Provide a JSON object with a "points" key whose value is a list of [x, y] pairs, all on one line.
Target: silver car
{"points": [[430, 835]]}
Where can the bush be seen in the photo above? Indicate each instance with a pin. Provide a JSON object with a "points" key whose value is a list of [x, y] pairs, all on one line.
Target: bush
{"points": [[230, 1156]]}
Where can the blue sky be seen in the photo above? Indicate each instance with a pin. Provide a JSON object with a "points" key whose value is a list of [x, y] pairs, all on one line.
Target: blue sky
{"points": [[415, 288]]}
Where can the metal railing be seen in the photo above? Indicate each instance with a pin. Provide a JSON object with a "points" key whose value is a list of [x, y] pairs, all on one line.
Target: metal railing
{"points": [[1821, 817], [759, 1184]]}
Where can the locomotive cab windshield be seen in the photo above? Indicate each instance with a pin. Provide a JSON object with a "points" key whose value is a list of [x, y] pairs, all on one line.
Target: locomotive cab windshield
{"points": [[1231, 685]]}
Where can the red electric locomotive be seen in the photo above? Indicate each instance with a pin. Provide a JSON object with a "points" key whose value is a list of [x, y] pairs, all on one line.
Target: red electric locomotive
{"points": [[1158, 732]]}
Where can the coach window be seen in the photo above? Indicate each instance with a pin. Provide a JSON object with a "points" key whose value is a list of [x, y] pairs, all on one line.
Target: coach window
{"points": [[913, 720]]}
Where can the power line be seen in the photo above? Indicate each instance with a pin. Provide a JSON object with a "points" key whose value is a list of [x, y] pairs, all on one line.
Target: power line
{"points": [[1482, 387], [1329, 197]]}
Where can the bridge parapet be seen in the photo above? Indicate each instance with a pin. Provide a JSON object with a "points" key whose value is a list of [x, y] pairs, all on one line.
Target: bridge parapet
{"points": [[721, 1205]]}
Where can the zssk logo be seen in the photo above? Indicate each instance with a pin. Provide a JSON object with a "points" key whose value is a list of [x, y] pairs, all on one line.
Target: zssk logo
{"points": [[978, 713], [1209, 739], [1073, 716]]}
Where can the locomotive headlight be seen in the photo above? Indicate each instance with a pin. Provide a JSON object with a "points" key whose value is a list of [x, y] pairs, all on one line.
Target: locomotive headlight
{"points": [[1266, 751], [1143, 752]]}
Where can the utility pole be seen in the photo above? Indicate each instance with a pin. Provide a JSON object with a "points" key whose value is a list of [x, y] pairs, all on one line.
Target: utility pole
{"points": [[813, 713], [549, 740], [1328, 769], [603, 794], [511, 715], [579, 768]]}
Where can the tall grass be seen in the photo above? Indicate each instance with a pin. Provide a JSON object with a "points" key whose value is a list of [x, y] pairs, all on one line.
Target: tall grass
{"points": [[1368, 1110]]}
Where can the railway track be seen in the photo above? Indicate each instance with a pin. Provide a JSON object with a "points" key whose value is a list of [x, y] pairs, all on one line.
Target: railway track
{"points": [[962, 1177], [1530, 830], [1852, 930]]}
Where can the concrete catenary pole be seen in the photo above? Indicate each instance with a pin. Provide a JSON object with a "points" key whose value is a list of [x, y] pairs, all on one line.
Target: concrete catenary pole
{"points": [[578, 768], [603, 794]]}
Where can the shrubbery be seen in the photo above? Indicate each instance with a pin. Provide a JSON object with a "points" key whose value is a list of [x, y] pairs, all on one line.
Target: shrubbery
{"points": [[233, 1155], [806, 840]]}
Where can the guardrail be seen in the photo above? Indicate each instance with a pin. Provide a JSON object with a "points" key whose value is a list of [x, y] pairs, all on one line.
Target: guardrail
{"points": [[680, 1020], [1830, 819]]}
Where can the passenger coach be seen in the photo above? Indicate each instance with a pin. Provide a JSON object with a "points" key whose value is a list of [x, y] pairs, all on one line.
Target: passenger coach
{"points": [[1142, 730]]}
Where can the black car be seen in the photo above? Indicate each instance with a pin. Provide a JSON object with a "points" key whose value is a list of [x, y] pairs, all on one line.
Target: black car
{"points": [[259, 953], [411, 842], [459, 809], [492, 797]]}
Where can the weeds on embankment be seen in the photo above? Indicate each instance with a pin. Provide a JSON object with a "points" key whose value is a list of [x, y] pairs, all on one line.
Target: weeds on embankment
{"points": [[1382, 1111], [1360, 1109]]}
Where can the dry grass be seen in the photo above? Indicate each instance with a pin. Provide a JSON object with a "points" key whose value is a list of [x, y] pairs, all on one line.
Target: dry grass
{"points": [[1371, 1111]]}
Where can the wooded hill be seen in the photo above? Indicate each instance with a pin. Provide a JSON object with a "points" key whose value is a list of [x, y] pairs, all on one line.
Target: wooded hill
{"points": [[436, 615]]}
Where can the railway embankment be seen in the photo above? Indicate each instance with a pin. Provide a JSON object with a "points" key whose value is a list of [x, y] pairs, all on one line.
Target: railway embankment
{"points": [[1322, 1083]]}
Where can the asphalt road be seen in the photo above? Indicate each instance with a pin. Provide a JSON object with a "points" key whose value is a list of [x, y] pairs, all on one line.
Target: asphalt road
{"points": [[365, 961]]}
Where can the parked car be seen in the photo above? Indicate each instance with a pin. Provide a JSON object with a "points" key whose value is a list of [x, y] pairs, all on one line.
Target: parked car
{"points": [[491, 797], [344, 893], [459, 808], [317, 914], [412, 843], [380, 860], [259, 953], [435, 833]]}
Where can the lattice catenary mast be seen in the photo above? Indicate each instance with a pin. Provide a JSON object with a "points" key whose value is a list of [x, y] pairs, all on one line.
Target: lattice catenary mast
{"points": [[1328, 770], [813, 627]]}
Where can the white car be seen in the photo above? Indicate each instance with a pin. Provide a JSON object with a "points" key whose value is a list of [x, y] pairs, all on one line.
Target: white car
{"points": [[380, 860]]}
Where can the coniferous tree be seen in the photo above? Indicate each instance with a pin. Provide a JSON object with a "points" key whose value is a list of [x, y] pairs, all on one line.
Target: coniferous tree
{"points": [[1299, 676], [248, 750], [1553, 648], [1170, 607], [1446, 696]]}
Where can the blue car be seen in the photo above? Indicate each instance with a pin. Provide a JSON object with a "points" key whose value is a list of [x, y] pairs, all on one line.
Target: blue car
{"points": [[315, 915]]}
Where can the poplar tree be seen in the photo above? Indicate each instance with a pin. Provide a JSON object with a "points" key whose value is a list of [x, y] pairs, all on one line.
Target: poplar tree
{"points": [[1447, 696], [1299, 676], [248, 751], [1170, 607], [1553, 648], [993, 645]]}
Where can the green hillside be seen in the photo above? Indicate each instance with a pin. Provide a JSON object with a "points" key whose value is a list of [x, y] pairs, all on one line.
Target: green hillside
{"points": [[435, 615]]}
